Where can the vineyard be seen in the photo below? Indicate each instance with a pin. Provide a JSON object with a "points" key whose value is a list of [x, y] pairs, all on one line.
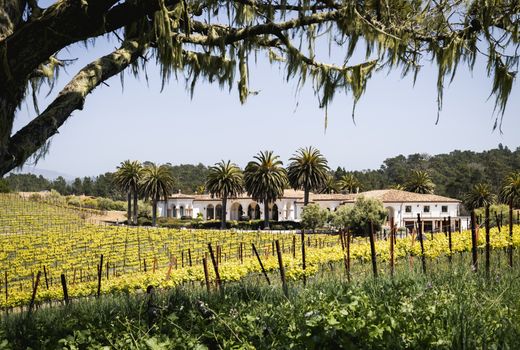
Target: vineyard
{"points": [[38, 237]]}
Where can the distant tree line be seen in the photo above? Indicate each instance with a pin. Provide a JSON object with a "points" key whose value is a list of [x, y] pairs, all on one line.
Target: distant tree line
{"points": [[452, 175]]}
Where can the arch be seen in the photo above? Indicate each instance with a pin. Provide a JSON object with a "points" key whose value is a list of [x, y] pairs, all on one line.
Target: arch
{"points": [[236, 211], [174, 211], [274, 213], [253, 211], [181, 211], [218, 212], [210, 212]]}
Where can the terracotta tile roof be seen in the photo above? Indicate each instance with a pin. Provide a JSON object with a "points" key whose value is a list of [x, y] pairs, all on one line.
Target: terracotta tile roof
{"points": [[390, 196]]}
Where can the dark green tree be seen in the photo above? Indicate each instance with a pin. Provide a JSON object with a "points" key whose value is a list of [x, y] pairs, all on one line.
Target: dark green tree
{"points": [[128, 178], [224, 180], [265, 180], [307, 171], [156, 182]]}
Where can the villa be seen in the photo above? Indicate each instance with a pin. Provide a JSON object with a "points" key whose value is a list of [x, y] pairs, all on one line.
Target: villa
{"points": [[402, 206]]}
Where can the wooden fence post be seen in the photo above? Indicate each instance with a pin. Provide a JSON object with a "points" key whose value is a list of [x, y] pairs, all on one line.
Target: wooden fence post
{"points": [[282, 269], [206, 273], [65, 290], [373, 250], [261, 265], [474, 256], [215, 266], [392, 246], [419, 230], [488, 247], [35, 289], [449, 240], [45, 275], [100, 271], [303, 257]]}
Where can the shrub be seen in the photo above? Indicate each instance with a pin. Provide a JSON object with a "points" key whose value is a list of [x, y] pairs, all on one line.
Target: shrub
{"points": [[4, 186]]}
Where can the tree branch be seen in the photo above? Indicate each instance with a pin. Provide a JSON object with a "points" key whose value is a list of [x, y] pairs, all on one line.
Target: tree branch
{"points": [[34, 135]]}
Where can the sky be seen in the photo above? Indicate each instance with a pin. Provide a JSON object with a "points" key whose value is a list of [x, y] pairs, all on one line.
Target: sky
{"points": [[393, 117]]}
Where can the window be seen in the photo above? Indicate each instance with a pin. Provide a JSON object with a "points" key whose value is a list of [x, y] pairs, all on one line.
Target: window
{"points": [[408, 209], [444, 208], [426, 209]]}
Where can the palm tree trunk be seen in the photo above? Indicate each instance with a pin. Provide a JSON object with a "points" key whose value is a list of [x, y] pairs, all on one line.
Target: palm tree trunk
{"points": [[223, 214], [129, 208], [487, 241], [511, 233], [154, 210], [135, 206], [266, 215], [305, 195]]}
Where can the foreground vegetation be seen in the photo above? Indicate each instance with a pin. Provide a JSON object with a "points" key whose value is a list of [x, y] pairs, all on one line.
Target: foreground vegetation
{"points": [[451, 307]]}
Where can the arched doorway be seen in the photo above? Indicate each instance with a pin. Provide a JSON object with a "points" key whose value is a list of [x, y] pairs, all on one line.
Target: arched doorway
{"points": [[236, 211], [218, 212], [274, 213], [253, 211], [210, 212], [181, 211]]}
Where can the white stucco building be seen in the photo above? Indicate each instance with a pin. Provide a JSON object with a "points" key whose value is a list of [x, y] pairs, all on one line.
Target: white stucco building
{"points": [[401, 205]]}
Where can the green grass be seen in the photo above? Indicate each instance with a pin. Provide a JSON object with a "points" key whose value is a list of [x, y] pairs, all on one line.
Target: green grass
{"points": [[450, 307]]}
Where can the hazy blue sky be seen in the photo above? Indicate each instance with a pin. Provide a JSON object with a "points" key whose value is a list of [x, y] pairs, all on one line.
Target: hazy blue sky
{"points": [[392, 118]]}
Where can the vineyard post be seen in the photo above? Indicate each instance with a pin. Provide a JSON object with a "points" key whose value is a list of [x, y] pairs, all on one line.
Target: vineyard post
{"points": [[474, 256], [33, 297], [373, 249], [261, 265], [215, 266], [294, 246], [189, 257], [449, 239], [100, 271], [45, 275], [65, 291], [6, 288], [392, 243], [107, 268], [144, 264], [421, 241], [282, 270], [206, 273], [497, 221], [241, 252], [347, 241], [510, 236], [487, 242], [303, 257]]}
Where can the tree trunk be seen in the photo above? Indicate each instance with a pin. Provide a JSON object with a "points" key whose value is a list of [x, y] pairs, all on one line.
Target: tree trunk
{"points": [[305, 195], [129, 209], [266, 214], [223, 214], [136, 208]]}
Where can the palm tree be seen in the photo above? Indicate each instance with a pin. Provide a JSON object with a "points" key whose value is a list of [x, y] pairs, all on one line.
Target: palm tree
{"points": [[349, 183], [127, 178], [330, 186], [308, 171], [420, 182], [480, 195], [224, 180], [398, 187], [510, 194], [157, 181], [265, 180]]}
